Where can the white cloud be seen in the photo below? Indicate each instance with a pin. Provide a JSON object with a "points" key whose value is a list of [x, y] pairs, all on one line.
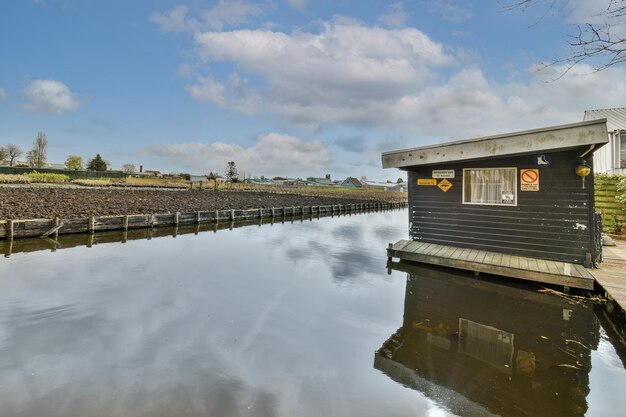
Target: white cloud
{"points": [[272, 154], [351, 73], [396, 17], [297, 4], [3, 94], [49, 96], [224, 13], [336, 75], [451, 12]]}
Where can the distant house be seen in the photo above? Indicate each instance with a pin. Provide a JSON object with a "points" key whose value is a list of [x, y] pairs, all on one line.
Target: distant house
{"points": [[387, 186], [611, 158], [351, 182], [153, 173]]}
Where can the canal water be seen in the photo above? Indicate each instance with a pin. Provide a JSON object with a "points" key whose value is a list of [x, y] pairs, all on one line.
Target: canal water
{"points": [[294, 319]]}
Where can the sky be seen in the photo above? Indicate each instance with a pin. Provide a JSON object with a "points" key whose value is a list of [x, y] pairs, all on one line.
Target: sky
{"points": [[293, 88]]}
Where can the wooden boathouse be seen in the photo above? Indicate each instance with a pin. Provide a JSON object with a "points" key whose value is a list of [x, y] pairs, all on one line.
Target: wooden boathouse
{"points": [[519, 204]]}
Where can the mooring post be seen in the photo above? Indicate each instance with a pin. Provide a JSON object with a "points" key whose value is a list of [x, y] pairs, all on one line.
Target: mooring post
{"points": [[8, 249], [232, 216], [57, 226], [389, 248], [125, 223], [217, 216], [92, 225], [9, 231], [197, 217], [273, 213]]}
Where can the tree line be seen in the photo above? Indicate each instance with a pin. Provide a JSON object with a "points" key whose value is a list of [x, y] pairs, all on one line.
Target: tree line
{"points": [[37, 157]]}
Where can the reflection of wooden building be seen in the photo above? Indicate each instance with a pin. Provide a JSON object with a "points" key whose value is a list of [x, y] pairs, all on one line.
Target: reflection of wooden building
{"points": [[482, 348]]}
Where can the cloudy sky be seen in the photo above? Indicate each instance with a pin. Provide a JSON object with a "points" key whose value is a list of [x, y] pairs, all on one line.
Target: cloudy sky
{"points": [[284, 87]]}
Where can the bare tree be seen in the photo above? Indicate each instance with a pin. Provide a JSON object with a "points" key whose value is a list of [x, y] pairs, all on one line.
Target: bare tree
{"points": [[129, 168], [37, 156], [602, 44], [13, 151], [3, 155]]}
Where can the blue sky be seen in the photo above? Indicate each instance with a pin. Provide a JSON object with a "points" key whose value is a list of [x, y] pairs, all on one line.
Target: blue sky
{"points": [[283, 87]]}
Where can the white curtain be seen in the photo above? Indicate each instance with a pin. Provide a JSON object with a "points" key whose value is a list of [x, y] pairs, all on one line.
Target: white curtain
{"points": [[490, 186]]}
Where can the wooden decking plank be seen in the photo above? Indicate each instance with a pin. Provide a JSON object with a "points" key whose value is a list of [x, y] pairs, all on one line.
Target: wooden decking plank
{"points": [[473, 255], [523, 263], [446, 252], [440, 250], [514, 262], [497, 258], [455, 254], [505, 261], [411, 246], [584, 272], [553, 268], [401, 244], [543, 266], [435, 248], [424, 248], [532, 264], [481, 256], [463, 254]]}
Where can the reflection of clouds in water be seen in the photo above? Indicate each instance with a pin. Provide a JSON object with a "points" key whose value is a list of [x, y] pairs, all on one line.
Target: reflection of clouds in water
{"points": [[350, 265], [213, 324], [351, 232], [352, 248]]}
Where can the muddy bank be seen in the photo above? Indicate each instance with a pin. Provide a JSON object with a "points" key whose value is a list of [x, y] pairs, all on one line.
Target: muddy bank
{"points": [[29, 203]]}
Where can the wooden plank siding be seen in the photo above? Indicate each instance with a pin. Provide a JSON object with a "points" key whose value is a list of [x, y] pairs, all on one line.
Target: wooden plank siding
{"points": [[553, 223]]}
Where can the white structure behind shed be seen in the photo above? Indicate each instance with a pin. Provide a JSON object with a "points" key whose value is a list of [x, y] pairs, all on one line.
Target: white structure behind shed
{"points": [[611, 159]]}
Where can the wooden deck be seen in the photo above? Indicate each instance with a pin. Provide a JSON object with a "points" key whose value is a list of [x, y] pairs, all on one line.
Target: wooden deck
{"points": [[611, 274], [531, 269]]}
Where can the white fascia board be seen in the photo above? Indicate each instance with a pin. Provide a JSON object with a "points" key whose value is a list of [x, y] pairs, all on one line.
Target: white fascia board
{"points": [[553, 138]]}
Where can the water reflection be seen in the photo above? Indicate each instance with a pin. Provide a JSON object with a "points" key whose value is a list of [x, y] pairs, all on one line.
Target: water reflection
{"points": [[481, 348], [277, 320]]}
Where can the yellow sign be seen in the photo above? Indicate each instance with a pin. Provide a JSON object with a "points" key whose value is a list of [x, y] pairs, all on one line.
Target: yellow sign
{"points": [[426, 181], [529, 179], [445, 185]]}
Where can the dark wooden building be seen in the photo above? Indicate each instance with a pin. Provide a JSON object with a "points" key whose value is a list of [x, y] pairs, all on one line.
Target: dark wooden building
{"points": [[523, 193]]}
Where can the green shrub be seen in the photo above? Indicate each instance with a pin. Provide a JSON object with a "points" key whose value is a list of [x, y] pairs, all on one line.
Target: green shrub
{"points": [[46, 177]]}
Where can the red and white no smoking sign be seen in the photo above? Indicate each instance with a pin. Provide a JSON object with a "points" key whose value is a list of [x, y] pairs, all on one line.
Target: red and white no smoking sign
{"points": [[529, 179]]}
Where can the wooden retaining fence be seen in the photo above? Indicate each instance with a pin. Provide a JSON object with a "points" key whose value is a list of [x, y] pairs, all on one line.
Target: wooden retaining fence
{"points": [[52, 228]]}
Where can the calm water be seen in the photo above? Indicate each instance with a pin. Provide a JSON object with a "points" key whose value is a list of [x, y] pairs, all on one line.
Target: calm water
{"points": [[288, 320]]}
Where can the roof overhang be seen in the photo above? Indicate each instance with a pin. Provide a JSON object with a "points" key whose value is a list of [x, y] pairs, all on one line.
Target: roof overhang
{"points": [[554, 138]]}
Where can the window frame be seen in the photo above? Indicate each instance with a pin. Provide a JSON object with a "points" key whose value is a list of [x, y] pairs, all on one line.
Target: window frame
{"points": [[489, 204]]}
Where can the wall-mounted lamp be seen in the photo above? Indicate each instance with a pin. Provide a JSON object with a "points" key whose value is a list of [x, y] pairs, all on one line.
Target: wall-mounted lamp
{"points": [[583, 170]]}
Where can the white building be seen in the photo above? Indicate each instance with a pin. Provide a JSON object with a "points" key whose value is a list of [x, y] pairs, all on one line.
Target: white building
{"points": [[611, 158]]}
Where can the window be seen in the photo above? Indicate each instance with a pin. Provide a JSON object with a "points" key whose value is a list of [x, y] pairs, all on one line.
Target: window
{"points": [[490, 186]]}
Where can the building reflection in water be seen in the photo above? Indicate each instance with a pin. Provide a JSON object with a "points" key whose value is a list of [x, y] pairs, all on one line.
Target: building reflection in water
{"points": [[478, 347]]}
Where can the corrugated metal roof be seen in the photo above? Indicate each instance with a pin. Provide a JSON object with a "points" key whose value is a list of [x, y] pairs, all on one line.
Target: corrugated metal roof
{"points": [[615, 118]]}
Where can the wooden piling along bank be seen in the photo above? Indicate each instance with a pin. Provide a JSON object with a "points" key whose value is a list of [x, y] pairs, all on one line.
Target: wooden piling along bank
{"points": [[11, 229]]}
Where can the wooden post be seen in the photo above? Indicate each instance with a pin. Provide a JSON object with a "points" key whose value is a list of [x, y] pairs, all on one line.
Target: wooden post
{"points": [[197, 217], [232, 216], [273, 213], [57, 226], [176, 215], [92, 225], [125, 223], [217, 216], [8, 249], [151, 221], [9, 227]]}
